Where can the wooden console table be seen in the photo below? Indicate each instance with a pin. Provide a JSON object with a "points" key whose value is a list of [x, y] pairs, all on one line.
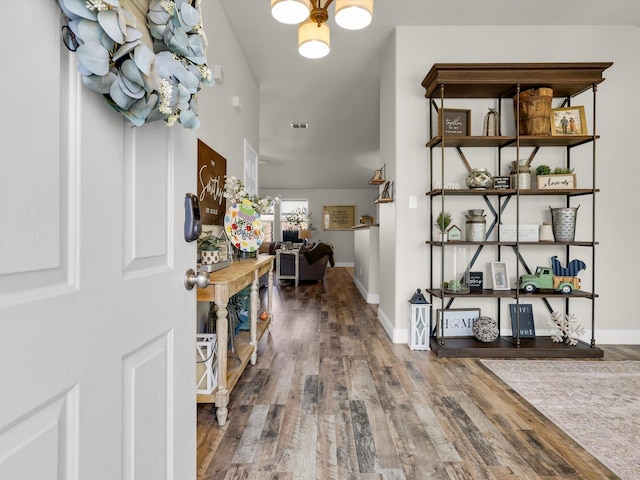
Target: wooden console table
{"points": [[223, 284]]}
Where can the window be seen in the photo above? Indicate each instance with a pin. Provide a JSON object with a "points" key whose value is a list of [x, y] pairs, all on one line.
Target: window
{"points": [[267, 226]]}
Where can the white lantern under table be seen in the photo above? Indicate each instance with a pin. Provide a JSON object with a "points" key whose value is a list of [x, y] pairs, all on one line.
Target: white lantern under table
{"points": [[206, 363], [419, 322]]}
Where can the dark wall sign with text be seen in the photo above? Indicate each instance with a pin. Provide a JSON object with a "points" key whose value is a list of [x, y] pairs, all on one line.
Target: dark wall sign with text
{"points": [[212, 167]]}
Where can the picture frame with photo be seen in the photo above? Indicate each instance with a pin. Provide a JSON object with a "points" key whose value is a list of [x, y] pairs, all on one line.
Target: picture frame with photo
{"points": [[568, 121], [500, 276]]}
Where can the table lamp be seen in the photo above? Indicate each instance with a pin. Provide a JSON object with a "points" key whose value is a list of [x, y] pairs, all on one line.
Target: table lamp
{"points": [[305, 235]]}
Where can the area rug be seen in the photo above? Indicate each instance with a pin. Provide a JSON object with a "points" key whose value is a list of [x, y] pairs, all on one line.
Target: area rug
{"points": [[595, 403]]}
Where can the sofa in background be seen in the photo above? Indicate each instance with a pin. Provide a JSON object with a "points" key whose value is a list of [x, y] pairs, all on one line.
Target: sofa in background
{"points": [[313, 260]]}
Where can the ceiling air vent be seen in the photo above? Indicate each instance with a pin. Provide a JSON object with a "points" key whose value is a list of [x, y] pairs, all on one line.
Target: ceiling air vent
{"points": [[299, 125]]}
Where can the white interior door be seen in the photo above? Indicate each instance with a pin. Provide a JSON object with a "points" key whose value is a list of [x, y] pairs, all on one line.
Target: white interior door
{"points": [[97, 331]]}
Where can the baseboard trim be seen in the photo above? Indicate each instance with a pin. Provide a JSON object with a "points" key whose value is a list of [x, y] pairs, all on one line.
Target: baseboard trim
{"points": [[369, 297], [397, 335]]}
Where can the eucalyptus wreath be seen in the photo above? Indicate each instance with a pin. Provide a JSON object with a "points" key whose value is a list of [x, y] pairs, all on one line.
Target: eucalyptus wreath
{"points": [[144, 85]]}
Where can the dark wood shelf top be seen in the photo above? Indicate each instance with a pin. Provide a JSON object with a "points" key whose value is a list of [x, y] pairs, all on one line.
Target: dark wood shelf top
{"points": [[511, 141], [506, 347], [379, 181], [513, 293], [490, 243], [573, 192], [499, 80]]}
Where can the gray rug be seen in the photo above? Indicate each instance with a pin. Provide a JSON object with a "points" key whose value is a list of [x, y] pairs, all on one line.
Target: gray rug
{"points": [[596, 403]]}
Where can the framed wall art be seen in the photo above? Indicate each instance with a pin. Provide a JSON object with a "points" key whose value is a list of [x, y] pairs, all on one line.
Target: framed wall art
{"points": [[338, 217], [568, 121]]}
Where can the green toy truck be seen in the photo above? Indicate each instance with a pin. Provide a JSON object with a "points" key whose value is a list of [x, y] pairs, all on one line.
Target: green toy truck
{"points": [[545, 279]]}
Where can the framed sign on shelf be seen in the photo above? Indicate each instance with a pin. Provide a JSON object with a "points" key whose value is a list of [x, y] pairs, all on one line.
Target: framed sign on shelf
{"points": [[338, 217], [455, 121], [456, 322]]}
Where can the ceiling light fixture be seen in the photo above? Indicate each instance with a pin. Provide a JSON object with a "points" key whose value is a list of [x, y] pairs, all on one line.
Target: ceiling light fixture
{"points": [[313, 32]]}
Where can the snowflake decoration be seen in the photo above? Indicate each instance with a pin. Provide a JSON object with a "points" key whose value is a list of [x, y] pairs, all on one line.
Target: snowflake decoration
{"points": [[565, 328]]}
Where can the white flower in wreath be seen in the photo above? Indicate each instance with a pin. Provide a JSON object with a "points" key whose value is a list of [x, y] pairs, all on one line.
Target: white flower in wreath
{"points": [[144, 85]]}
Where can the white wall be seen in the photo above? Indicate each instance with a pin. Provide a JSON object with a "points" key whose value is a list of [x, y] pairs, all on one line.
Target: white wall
{"points": [[389, 242], [342, 240], [222, 127], [416, 50]]}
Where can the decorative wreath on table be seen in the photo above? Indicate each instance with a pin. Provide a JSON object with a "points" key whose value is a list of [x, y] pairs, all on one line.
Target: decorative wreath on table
{"points": [[142, 84]]}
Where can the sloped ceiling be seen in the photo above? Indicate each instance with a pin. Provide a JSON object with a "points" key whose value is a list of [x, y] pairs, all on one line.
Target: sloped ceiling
{"points": [[338, 96]]}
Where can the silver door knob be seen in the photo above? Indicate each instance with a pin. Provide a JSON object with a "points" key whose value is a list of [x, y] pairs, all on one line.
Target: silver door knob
{"points": [[191, 279]]}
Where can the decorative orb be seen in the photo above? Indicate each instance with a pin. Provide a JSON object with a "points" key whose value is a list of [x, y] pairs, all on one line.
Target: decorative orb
{"points": [[264, 315], [485, 329]]}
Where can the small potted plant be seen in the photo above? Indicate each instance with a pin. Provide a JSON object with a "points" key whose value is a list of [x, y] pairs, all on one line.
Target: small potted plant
{"points": [[442, 224], [559, 178], [208, 245]]}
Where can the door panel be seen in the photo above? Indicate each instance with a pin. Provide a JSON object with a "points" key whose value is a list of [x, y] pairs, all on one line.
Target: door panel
{"points": [[47, 434], [146, 176], [147, 412], [97, 331]]}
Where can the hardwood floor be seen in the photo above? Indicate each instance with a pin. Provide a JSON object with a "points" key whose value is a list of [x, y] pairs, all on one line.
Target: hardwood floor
{"points": [[332, 398]]}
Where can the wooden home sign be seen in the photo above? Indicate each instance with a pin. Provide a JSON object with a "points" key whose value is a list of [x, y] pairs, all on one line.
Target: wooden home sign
{"points": [[212, 167]]}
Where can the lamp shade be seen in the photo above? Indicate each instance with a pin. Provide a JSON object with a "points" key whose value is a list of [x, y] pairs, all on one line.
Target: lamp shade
{"points": [[313, 39], [305, 234], [290, 11], [354, 14]]}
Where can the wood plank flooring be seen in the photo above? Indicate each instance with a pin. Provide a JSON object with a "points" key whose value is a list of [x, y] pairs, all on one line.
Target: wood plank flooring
{"points": [[332, 398]]}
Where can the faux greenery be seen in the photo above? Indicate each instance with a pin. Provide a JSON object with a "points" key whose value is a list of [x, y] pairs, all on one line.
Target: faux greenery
{"points": [[562, 171], [443, 221], [543, 170], [208, 242], [297, 217], [235, 193], [142, 84]]}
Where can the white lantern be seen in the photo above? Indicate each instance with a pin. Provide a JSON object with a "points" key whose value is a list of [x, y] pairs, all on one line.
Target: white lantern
{"points": [[206, 363], [419, 322]]}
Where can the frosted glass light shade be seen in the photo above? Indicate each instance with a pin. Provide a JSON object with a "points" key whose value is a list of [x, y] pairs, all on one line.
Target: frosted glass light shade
{"points": [[354, 14], [313, 39], [290, 11]]}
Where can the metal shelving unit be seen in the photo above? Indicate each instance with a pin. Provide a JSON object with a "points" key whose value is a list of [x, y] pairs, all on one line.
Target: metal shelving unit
{"points": [[502, 82]]}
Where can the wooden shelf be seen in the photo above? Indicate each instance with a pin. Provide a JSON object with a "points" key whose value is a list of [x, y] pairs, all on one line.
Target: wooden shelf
{"points": [[499, 80], [525, 141], [383, 200], [505, 347], [573, 192], [379, 181], [454, 243], [487, 293]]}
